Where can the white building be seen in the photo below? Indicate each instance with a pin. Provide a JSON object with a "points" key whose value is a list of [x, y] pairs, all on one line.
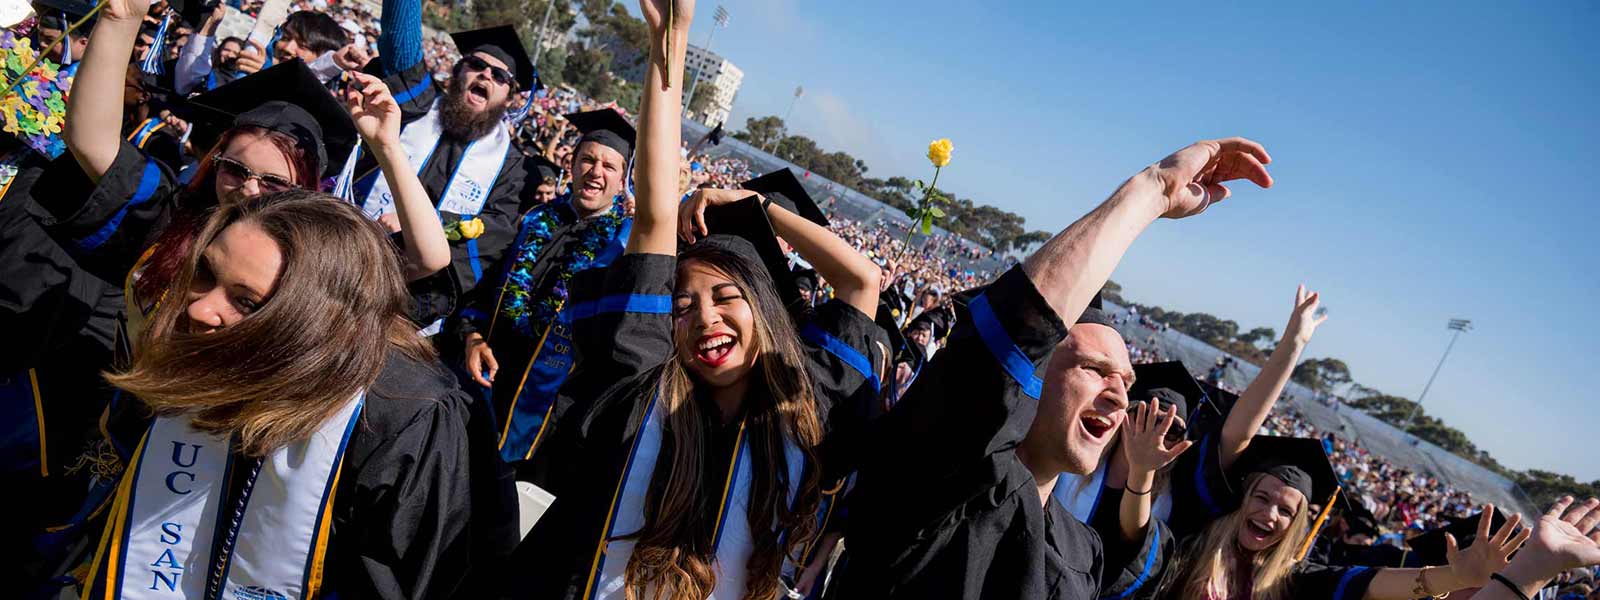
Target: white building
{"points": [[712, 71]]}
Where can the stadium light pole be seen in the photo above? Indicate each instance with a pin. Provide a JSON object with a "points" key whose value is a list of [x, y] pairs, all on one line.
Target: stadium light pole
{"points": [[721, 19], [798, 91], [1459, 326], [538, 48]]}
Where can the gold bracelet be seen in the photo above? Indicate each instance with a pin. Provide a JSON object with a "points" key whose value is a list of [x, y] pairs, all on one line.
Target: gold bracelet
{"points": [[1421, 590]]}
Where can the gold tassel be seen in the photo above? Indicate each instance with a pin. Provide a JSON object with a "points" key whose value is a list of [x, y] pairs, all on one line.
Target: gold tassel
{"points": [[1327, 509]]}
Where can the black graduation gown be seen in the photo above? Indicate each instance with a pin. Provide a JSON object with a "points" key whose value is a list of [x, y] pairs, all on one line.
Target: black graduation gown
{"points": [[404, 504], [944, 508], [513, 349], [599, 412], [440, 294]]}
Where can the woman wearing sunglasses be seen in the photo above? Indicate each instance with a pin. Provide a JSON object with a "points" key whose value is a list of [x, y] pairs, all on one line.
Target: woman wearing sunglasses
{"points": [[279, 130], [701, 428]]}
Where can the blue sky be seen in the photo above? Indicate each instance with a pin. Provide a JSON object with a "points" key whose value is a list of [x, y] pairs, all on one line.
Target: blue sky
{"points": [[1433, 160]]}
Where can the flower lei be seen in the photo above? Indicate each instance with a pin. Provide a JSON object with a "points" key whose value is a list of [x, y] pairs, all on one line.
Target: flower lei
{"points": [[529, 311], [35, 112]]}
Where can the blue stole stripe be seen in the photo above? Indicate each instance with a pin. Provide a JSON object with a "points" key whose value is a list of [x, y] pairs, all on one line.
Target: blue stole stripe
{"points": [[650, 304], [844, 352], [1338, 592], [148, 180], [327, 493], [1006, 352], [1200, 486], [472, 260], [1149, 563], [536, 394], [729, 488], [410, 94], [473, 314]]}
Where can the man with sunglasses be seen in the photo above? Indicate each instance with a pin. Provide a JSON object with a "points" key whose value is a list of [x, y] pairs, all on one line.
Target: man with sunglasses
{"points": [[469, 163]]}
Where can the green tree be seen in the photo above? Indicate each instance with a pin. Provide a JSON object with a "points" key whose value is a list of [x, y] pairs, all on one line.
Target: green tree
{"points": [[761, 132], [1026, 241], [704, 100], [586, 71], [1257, 336], [1321, 374]]}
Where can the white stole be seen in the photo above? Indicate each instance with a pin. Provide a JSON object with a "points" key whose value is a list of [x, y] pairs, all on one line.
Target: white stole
{"points": [[174, 506], [469, 184], [734, 541]]}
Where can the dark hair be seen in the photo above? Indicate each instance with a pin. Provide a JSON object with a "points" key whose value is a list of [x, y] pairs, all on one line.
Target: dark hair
{"points": [[672, 553], [316, 31], [174, 240], [276, 375]]}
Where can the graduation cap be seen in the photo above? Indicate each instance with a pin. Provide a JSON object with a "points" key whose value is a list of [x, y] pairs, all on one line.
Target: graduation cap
{"points": [[1429, 546], [542, 170], [885, 321], [1170, 384], [286, 98], [782, 187], [59, 14], [606, 127], [1302, 464], [805, 279], [742, 228], [1360, 521], [501, 42], [935, 321]]}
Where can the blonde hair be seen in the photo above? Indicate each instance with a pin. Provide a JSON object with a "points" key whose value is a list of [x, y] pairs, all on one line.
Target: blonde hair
{"points": [[1208, 561]]}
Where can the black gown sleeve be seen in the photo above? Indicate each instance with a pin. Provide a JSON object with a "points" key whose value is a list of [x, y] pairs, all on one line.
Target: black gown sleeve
{"points": [[975, 400], [1322, 582], [410, 523], [1201, 491], [1135, 570], [108, 228], [846, 355], [621, 324]]}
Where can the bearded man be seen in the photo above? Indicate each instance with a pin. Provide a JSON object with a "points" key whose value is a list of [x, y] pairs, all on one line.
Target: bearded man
{"points": [[469, 165]]}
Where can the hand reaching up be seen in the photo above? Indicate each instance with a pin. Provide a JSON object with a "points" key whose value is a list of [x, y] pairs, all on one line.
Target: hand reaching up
{"points": [[1564, 538], [1144, 437], [373, 108], [1303, 322], [1193, 178]]}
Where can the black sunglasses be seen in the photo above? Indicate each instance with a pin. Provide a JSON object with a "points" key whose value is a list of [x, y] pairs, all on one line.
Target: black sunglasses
{"points": [[499, 75], [236, 173]]}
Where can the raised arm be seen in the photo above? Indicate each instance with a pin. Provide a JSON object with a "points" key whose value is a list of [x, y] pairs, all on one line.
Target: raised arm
{"points": [[1145, 448], [853, 276], [377, 117], [1074, 264], [656, 154], [400, 45], [94, 131], [1257, 401], [194, 60], [1469, 568], [1565, 538]]}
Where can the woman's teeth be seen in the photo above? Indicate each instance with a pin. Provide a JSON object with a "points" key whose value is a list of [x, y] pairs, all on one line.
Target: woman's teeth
{"points": [[714, 341]]}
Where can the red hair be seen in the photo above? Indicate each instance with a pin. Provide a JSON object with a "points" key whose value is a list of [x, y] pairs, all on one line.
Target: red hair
{"points": [[197, 200]]}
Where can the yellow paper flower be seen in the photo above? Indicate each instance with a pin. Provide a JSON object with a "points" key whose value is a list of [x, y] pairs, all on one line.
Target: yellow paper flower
{"points": [[471, 229], [939, 152]]}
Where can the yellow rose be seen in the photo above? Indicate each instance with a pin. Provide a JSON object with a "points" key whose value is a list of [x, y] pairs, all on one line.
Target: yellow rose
{"points": [[939, 152], [471, 229]]}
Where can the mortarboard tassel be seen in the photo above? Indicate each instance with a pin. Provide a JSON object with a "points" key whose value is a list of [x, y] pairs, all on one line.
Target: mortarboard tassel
{"points": [[66, 42], [516, 115], [345, 186], [1327, 509], [152, 56]]}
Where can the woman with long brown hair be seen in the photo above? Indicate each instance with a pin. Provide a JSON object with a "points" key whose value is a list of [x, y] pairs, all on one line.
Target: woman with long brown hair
{"points": [[1257, 550], [701, 426], [305, 441]]}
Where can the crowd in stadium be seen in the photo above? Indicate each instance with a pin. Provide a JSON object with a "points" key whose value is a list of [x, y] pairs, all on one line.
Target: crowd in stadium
{"points": [[340, 308]]}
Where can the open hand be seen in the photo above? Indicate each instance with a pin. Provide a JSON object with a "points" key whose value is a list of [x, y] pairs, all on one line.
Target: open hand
{"points": [[692, 212], [1144, 437], [1487, 555], [372, 107], [1564, 538], [1192, 179], [1304, 320]]}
